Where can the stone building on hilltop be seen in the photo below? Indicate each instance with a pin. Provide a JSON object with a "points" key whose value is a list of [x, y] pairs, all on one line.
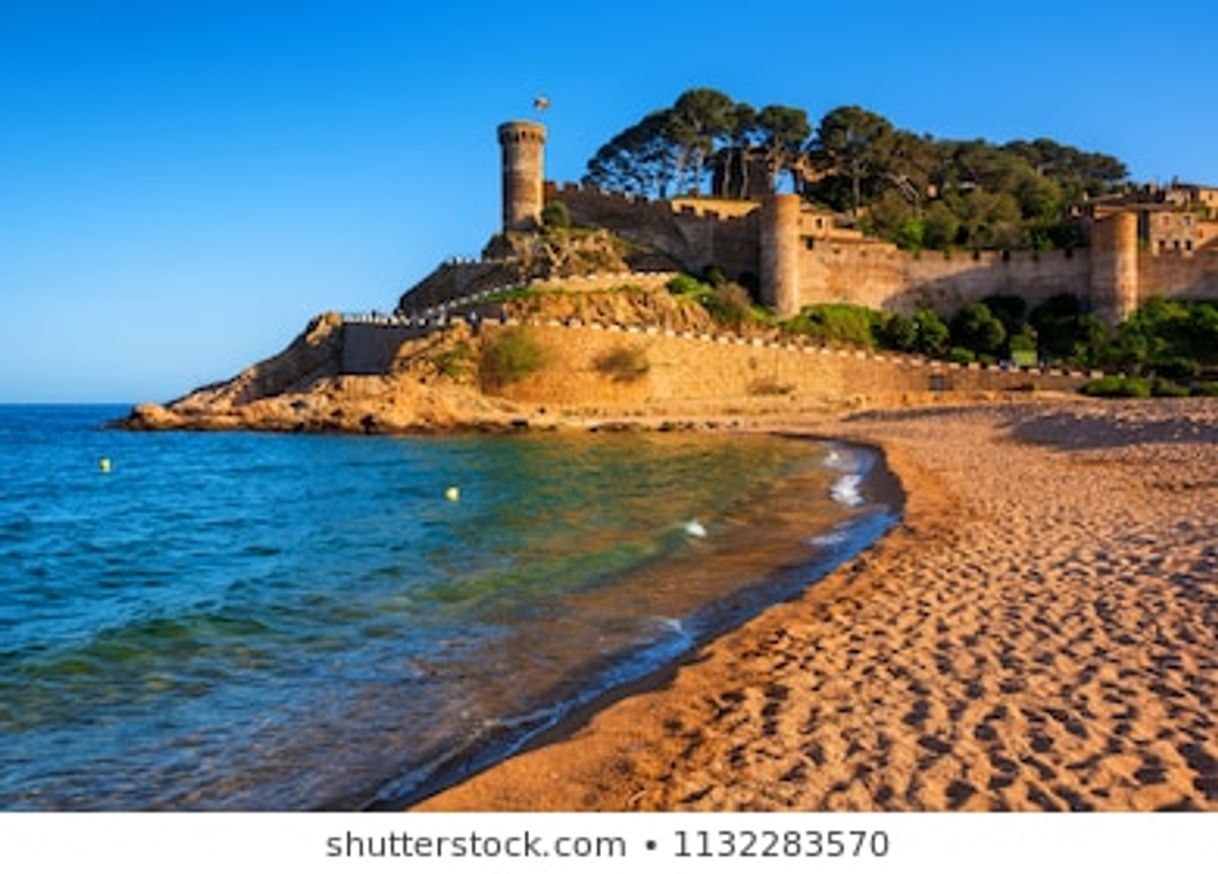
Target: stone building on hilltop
{"points": [[794, 254]]}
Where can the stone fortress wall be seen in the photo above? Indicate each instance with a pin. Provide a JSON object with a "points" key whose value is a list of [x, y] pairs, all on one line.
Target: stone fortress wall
{"points": [[697, 367], [696, 233], [799, 263], [690, 369], [797, 255]]}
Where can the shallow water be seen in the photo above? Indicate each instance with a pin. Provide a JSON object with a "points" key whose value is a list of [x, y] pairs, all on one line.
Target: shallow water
{"points": [[252, 621]]}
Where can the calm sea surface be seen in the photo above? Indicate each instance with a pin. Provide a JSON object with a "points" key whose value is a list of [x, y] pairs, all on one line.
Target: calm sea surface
{"points": [[252, 621]]}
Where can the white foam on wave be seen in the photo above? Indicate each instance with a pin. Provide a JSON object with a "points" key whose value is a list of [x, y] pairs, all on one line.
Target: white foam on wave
{"points": [[846, 490], [833, 538], [854, 466], [694, 528]]}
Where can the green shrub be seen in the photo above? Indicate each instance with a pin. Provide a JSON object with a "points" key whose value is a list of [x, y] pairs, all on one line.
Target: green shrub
{"points": [[685, 285], [727, 304], [933, 333], [839, 323], [960, 355], [899, 332], [1023, 340], [910, 234], [556, 215], [730, 305], [1117, 387], [978, 329], [453, 363], [512, 294], [1065, 332], [509, 357], [1204, 390], [1165, 388], [1177, 368], [623, 364], [1008, 309]]}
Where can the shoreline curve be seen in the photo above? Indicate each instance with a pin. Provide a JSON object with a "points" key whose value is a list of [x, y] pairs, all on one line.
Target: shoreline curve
{"points": [[1036, 634]]}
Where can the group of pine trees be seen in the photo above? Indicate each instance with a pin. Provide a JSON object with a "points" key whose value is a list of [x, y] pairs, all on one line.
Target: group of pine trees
{"points": [[913, 189]]}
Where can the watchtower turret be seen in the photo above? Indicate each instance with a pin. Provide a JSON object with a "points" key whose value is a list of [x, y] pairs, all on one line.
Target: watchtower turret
{"points": [[779, 246], [1114, 266], [522, 144]]}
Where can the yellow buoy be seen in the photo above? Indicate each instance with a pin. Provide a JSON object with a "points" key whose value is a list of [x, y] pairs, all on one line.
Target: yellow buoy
{"points": [[452, 493], [103, 464]]}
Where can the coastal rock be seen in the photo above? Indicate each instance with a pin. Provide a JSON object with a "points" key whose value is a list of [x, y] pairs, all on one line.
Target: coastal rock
{"points": [[315, 354], [153, 417]]}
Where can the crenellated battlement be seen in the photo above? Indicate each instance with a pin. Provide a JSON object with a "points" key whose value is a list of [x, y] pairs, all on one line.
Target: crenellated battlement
{"points": [[712, 209]]}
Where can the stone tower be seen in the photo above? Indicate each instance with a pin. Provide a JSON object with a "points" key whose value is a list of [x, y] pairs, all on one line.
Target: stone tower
{"points": [[522, 143], [1114, 266], [780, 254]]}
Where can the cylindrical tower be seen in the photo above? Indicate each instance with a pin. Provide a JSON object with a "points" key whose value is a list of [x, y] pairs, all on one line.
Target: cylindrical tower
{"points": [[1114, 266], [780, 254], [522, 143]]}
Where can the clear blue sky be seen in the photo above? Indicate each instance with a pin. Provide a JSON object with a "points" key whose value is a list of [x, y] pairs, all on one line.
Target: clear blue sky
{"points": [[183, 184]]}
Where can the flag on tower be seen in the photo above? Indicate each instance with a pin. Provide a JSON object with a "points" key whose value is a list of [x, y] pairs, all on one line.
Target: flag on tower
{"points": [[540, 102]]}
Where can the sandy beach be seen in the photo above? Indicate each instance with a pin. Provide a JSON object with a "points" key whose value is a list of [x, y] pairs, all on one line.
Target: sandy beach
{"points": [[1040, 633]]}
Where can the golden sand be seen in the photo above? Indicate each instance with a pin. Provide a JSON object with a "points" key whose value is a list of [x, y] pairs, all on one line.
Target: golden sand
{"points": [[1040, 633]]}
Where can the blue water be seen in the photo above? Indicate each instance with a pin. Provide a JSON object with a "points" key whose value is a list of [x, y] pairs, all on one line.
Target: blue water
{"points": [[252, 621]]}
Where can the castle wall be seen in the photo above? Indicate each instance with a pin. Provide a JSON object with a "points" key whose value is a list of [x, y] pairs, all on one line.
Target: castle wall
{"points": [[694, 234], [1177, 275], [686, 370], [454, 279], [839, 268], [884, 277], [370, 348]]}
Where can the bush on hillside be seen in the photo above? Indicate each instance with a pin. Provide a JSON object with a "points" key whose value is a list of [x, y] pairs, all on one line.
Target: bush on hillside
{"points": [[1165, 388], [623, 364], [838, 323], [727, 303], [731, 305], [684, 285], [454, 363], [509, 357]]}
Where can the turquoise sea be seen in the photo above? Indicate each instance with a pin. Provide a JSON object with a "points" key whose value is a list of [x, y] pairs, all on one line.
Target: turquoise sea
{"points": [[254, 621]]}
